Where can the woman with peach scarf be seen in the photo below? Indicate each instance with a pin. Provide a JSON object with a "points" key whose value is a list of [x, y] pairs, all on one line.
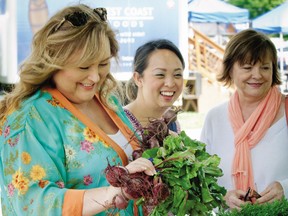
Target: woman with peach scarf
{"points": [[249, 132]]}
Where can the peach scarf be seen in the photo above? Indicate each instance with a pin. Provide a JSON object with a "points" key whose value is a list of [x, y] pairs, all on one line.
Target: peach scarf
{"points": [[248, 134]]}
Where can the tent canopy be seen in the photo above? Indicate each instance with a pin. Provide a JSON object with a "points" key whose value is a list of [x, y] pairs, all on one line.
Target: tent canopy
{"points": [[216, 11], [274, 21]]}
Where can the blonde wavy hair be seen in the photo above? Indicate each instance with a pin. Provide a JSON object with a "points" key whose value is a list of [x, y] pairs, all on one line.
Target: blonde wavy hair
{"points": [[53, 45]]}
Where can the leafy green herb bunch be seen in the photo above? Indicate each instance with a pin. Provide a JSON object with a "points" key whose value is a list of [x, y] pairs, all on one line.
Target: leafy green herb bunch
{"points": [[191, 175], [276, 208], [183, 165], [186, 179]]}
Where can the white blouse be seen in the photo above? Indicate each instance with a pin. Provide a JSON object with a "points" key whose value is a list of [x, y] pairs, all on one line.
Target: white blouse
{"points": [[121, 140], [269, 156]]}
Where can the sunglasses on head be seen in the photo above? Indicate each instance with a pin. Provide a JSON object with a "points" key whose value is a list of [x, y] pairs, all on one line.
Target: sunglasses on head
{"points": [[80, 18]]}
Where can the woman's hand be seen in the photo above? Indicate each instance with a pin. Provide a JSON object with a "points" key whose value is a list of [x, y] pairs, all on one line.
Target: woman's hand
{"points": [[234, 198], [119, 193], [173, 133], [273, 192], [141, 165]]}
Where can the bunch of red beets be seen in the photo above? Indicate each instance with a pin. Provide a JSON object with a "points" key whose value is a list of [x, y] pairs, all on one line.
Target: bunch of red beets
{"points": [[150, 189]]}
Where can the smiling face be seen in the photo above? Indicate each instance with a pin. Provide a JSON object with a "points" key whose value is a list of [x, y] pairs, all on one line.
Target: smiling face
{"points": [[80, 83], [162, 80], [253, 81]]}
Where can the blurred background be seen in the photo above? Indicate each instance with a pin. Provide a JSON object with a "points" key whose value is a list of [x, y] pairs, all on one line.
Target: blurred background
{"points": [[200, 28]]}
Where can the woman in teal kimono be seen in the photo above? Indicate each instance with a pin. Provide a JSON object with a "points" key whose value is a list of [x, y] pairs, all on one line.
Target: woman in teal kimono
{"points": [[62, 124]]}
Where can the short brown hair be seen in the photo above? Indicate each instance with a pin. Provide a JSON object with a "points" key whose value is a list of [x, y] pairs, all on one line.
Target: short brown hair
{"points": [[248, 46]]}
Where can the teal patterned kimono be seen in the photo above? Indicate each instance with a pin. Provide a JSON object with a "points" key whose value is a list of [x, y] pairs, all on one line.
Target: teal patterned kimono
{"points": [[46, 150]]}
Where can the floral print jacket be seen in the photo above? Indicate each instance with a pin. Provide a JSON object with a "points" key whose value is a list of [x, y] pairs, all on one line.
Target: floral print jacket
{"points": [[48, 148]]}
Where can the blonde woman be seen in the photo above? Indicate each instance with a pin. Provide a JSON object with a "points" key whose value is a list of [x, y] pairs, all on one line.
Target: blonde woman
{"points": [[62, 123]]}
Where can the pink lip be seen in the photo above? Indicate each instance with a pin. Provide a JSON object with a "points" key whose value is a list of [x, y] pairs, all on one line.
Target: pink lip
{"points": [[87, 87], [167, 98], [255, 85]]}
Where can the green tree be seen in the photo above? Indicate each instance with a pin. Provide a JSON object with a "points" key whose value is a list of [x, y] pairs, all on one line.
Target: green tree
{"points": [[256, 7]]}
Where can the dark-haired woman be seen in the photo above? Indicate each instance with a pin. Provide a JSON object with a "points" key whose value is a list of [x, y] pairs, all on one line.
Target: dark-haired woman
{"points": [[249, 132], [156, 84]]}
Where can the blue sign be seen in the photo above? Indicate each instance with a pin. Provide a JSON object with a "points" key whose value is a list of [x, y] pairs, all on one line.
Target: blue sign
{"points": [[2, 6], [135, 22]]}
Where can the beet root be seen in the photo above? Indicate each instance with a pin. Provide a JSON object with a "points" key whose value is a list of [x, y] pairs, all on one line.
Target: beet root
{"points": [[114, 174], [160, 192], [135, 186], [137, 154], [120, 202]]}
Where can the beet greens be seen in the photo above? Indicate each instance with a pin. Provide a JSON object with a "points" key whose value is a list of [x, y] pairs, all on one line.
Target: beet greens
{"points": [[191, 175], [186, 179], [155, 132]]}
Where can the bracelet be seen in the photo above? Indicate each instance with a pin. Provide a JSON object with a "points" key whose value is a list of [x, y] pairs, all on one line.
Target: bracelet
{"points": [[124, 196]]}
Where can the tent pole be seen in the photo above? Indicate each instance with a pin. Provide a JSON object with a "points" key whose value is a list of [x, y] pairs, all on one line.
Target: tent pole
{"points": [[281, 54], [218, 34]]}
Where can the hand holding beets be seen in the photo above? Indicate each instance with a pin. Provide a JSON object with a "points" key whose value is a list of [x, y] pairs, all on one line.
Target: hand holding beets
{"points": [[137, 180]]}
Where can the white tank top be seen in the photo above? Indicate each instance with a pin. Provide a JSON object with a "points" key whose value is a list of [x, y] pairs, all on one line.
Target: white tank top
{"points": [[120, 139]]}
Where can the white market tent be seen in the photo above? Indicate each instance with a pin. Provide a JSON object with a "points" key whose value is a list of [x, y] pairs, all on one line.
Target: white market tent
{"points": [[215, 16], [274, 21], [216, 11]]}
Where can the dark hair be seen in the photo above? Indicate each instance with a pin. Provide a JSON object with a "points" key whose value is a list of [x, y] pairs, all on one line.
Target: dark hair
{"points": [[141, 60], [248, 46]]}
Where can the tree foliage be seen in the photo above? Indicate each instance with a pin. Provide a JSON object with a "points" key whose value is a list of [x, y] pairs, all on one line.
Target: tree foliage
{"points": [[256, 7]]}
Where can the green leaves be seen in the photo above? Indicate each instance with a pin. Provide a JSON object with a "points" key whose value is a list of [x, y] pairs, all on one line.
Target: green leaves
{"points": [[191, 175], [256, 7], [279, 207]]}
